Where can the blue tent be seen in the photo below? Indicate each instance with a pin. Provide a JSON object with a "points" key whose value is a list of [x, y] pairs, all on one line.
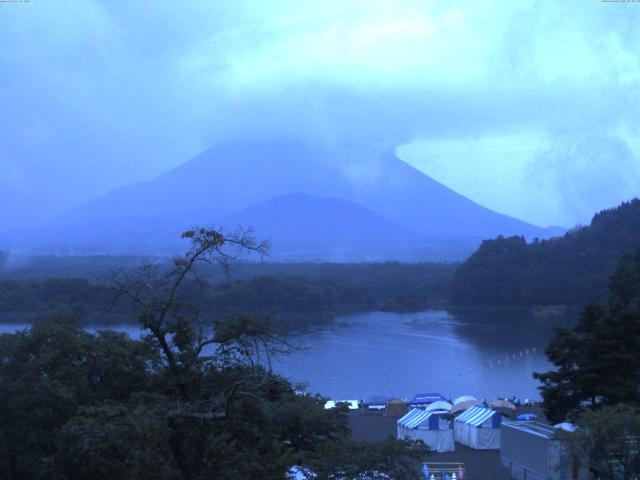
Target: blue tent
{"points": [[426, 399], [377, 400], [526, 417]]}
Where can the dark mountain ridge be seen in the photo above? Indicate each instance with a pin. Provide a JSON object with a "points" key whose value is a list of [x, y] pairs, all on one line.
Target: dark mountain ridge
{"points": [[572, 269]]}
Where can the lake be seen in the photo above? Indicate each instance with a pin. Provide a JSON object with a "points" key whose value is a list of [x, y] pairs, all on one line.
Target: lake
{"points": [[482, 352]]}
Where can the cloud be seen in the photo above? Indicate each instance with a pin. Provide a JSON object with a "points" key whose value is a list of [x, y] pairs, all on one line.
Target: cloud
{"points": [[99, 94], [587, 173]]}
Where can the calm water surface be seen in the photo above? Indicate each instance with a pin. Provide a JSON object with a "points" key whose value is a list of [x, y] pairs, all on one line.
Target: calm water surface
{"points": [[481, 352], [478, 352]]}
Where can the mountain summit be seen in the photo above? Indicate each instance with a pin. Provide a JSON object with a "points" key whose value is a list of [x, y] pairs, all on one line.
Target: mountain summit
{"points": [[369, 203]]}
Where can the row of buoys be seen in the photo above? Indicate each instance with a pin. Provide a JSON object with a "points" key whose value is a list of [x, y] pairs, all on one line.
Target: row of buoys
{"points": [[507, 359]]}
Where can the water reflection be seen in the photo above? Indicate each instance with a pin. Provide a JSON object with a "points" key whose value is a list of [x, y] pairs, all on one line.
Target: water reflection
{"points": [[483, 352]]}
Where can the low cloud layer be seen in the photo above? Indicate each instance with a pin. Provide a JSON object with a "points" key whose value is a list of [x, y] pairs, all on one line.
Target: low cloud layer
{"points": [[530, 109]]}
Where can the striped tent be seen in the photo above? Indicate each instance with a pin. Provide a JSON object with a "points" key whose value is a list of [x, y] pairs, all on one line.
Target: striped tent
{"points": [[478, 428], [429, 427]]}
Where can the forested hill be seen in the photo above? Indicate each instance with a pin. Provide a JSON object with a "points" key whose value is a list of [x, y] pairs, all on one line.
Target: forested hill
{"points": [[572, 269]]}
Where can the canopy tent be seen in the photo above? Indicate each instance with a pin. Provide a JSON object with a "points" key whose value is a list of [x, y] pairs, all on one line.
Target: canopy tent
{"points": [[426, 399], [429, 427], [464, 398], [478, 428], [377, 402], [440, 405], [395, 408], [464, 405], [505, 407], [566, 426], [527, 417]]}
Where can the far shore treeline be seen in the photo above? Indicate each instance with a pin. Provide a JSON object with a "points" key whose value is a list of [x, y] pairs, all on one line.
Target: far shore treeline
{"points": [[290, 294], [570, 270]]}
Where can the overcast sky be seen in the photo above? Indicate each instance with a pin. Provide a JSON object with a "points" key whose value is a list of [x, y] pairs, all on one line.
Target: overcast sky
{"points": [[530, 108]]}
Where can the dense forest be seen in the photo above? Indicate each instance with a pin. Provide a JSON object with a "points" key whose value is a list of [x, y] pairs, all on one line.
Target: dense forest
{"points": [[595, 377], [176, 404], [291, 294], [572, 269]]}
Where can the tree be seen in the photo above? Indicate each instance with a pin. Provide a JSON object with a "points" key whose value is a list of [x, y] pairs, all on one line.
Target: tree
{"points": [[610, 439], [187, 401], [598, 360], [47, 375], [397, 459]]}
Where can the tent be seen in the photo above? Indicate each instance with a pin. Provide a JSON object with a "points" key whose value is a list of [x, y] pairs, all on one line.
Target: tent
{"points": [[440, 405], [464, 398], [422, 399], [376, 402], [505, 407], [526, 417], [350, 404], [464, 405], [395, 408], [566, 426], [429, 427], [478, 428]]}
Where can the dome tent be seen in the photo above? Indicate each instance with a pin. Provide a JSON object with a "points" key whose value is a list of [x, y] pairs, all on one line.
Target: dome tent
{"points": [[440, 405], [395, 408], [464, 405]]}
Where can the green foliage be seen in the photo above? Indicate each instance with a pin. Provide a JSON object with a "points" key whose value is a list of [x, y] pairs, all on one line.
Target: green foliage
{"points": [[177, 404], [77, 405], [399, 459], [598, 361], [569, 270], [608, 438], [291, 295]]}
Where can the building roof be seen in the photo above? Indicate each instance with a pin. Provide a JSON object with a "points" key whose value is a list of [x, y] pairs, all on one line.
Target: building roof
{"points": [[534, 428]]}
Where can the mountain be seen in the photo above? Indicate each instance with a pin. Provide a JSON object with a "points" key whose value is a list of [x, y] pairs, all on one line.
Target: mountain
{"points": [[304, 226], [572, 269], [230, 178]]}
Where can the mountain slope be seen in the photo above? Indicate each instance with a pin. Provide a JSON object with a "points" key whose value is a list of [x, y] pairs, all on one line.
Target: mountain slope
{"points": [[572, 269], [228, 178], [305, 226]]}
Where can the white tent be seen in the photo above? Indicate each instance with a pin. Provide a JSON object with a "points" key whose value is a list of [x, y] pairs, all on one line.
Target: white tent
{"points": [[429, 427], [478, 428], [351, 404], [440, 405], [464, 398]]}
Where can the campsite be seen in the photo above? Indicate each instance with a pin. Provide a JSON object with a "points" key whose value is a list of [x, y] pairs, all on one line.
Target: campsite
{"points": [[467, 438]]}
